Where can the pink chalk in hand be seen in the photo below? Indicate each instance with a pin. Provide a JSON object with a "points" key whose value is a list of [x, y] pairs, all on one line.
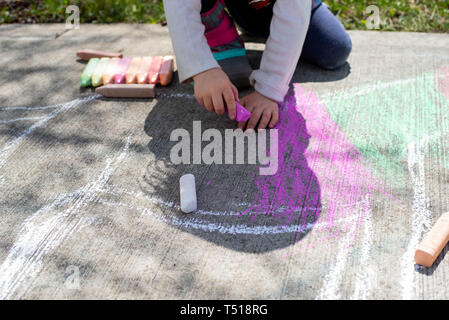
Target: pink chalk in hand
{"points": [[241, 114]]}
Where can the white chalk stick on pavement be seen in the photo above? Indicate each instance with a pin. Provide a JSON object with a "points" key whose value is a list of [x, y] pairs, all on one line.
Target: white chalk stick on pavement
{"points": [[187, 190]]}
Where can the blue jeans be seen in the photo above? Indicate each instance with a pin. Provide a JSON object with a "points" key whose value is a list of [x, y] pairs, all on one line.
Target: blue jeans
{"points": [[327, 43]]}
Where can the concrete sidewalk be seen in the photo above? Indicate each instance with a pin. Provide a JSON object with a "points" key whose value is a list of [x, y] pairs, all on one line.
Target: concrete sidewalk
{"points": [[89, 197]]}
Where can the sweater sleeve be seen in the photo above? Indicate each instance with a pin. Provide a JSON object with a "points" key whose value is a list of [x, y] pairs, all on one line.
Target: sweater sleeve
{"points": [[193, 54], [283, 48]]}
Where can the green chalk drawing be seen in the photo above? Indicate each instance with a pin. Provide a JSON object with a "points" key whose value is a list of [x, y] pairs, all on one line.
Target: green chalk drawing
{"points": [[383, 119]]}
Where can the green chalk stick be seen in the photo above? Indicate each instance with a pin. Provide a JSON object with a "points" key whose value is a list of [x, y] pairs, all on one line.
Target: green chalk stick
{"points": [[86, 76], [97, 76]]}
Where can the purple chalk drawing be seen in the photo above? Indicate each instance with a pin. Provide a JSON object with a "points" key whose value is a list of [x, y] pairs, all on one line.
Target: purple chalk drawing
{"points": [[316, 161], [293, 193]]}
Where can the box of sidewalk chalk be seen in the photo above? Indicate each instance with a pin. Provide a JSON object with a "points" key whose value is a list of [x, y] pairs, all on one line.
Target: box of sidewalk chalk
{"points": [[116, 76]]}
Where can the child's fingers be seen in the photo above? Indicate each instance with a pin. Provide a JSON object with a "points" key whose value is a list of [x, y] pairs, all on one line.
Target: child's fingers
{"points": [[208, 104], [235, 92], [243, 103], [274, 118], [217, 100], [200, 100], [255, 116], [266, 116], [230, 103], [241, 125]]}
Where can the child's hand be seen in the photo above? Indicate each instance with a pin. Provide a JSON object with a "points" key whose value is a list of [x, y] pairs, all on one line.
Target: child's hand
{"points": [[213, 89], [261, 108]]}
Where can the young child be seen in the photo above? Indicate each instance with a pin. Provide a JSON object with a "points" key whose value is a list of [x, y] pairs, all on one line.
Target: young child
{"points": [[210, 52]]}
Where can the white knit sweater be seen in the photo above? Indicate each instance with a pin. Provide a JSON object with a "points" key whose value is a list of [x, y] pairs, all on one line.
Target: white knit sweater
{"points": [[283, 47]]}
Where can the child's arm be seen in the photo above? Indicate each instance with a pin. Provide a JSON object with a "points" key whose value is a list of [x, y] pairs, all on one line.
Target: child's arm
{"points": [[288, 31], [194, 58]]}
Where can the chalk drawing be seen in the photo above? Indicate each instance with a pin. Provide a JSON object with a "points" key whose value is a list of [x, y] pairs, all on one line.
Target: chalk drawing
{"points": [[114, 189], [12, 145], [382, 102], [344, 178], [370, 88], [366, 275], [45, 230], [442, 80], [38, 38], [192, 222], [338, 160], [405, 111], [411, 117], [54, 106], [21, 119], [175, 95], [421, 218], [330, 289]]}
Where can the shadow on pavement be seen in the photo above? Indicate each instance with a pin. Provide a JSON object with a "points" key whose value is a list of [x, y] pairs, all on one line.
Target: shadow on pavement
{"points": [[429, 271], [225, 191], [305, 71]]}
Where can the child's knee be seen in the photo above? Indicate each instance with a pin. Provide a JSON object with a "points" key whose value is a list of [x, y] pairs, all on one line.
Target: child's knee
{"points": [[338, 54]]}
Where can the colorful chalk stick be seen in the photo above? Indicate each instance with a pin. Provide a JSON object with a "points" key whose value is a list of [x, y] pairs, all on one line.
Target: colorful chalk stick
{"points": [[131, 73], [88, 54], [166, 73], [144, 68], [241, 114], [97, 76], [110, 71], [86, 76], [127, 90], [120, 76], [434, 242], [155, 68]]}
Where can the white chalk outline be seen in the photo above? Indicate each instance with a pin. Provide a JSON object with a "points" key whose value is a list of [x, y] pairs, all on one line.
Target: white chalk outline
{"points": [[12, 145], [21, 119], [45, 230], [421, 217], [344, 93], [366, 275], [332, 281]]}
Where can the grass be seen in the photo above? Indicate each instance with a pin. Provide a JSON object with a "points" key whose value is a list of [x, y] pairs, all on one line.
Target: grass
{"points": [[91, 11], [404, 15], [401, 15]]}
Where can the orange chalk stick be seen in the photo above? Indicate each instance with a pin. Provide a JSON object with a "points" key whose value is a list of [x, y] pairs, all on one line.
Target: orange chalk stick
{"points": [[131, 73], [87, 54], [142, 73], [429, 249], [127, 91], [155, 68], [166, 72], [110, 71]]}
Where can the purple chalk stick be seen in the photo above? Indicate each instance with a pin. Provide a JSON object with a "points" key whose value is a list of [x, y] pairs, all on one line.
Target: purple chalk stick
{"points": [[241, 114]]}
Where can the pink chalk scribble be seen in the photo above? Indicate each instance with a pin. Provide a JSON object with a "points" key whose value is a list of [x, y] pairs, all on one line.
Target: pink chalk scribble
{"points": [[442, 80], [317, 163]]}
